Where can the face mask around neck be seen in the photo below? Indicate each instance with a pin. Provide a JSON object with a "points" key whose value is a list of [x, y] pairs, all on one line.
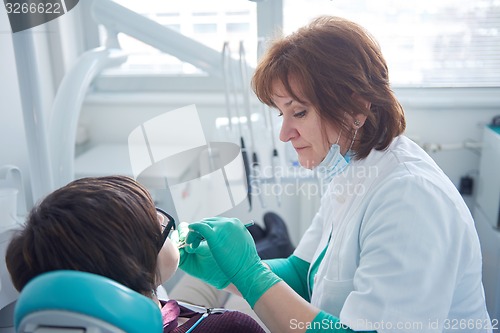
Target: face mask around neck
{"points": [[333, 163]]}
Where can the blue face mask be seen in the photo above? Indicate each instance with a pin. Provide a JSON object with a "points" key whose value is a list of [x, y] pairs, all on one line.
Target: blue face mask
{"points": [[333, 163]]}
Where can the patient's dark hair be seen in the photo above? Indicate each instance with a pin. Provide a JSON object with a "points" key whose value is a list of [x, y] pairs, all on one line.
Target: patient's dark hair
{"points": [[105, 225]]}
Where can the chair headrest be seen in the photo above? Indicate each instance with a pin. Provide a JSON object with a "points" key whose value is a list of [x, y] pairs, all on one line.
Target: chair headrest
{"points": [[90, 295]]}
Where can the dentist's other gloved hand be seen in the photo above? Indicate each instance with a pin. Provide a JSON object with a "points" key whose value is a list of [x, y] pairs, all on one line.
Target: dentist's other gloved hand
{"points": [[234, 250], [199, 261]]}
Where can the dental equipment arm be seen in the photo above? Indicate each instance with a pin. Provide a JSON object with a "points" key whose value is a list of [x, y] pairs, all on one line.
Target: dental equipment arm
{"points": [[51, 141], [67, 105], [73, 88], [120, 19], [33, 113]]}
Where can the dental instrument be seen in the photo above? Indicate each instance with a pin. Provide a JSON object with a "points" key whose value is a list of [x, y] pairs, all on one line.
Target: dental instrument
{"points": [[226, 54], [275, 160], [231, 90], [260, 52], [183, 243], [204, 315], [255, 171], [246, 164]]}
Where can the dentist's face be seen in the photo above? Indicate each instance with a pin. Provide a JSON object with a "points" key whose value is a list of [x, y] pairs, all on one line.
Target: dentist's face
{"points": [[302, 126]]}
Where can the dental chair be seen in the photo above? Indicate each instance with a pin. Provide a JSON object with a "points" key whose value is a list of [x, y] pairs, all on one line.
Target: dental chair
{"points": [[77, 302]]}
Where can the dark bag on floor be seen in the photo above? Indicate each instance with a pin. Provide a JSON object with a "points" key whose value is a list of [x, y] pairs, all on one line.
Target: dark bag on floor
{"points": [[273, 241]]}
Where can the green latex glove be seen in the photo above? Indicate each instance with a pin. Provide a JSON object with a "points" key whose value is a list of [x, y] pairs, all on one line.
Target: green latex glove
{"points": [[234, 250], [199, 261]]}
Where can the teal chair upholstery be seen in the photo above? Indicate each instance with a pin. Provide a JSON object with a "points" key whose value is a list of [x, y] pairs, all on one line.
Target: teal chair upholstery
{"points": [[73, 301]]}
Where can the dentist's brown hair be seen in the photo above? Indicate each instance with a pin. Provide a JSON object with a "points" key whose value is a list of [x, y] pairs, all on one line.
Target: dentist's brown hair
{"points": [[340, 69]]}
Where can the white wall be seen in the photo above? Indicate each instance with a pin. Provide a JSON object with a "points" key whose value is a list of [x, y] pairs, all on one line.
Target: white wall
{"points": [[449, 117]]}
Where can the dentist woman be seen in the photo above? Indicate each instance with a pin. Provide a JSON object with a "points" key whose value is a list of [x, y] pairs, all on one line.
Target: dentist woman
{"points": [[393, 246]]}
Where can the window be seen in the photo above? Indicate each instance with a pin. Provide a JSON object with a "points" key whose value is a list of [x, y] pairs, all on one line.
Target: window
{"points": [[238, 27], [204, 28], [431, 43], [209, 22]]}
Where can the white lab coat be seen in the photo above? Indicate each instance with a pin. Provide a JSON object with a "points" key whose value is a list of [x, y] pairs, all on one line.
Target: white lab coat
{"points": [[404, 255]]}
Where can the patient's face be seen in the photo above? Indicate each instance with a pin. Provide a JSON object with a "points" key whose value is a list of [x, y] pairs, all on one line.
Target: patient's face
{"points": [[168, 260]]}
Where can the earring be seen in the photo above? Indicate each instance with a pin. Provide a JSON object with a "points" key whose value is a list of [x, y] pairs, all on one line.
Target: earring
{"points": [[357, 123], [353, 138]]}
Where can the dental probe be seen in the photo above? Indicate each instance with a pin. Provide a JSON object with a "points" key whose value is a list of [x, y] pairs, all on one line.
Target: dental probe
{"points": [[183, 243]]}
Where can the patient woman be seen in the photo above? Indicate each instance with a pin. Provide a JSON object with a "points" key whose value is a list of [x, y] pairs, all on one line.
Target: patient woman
{"points": [[110, 226]]}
